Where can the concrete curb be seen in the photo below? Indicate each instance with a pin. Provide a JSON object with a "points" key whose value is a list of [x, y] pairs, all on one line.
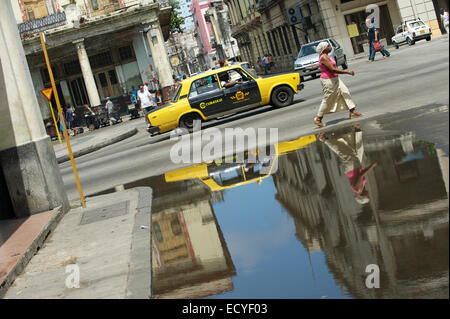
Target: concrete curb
{"points": [[139, 283], [31, 251], [95, 147]]}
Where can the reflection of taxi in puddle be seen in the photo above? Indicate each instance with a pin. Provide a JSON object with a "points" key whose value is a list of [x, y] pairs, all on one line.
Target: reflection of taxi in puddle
{"points": [[229, 172], [222, 92]]}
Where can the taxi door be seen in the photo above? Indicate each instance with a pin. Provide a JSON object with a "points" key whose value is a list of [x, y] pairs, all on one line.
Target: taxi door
{"points": [[206, 96], [241, 95]]}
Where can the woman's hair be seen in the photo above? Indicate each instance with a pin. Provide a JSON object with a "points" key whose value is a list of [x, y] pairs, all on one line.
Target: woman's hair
{"points": [[362, 198], [322, 46]]}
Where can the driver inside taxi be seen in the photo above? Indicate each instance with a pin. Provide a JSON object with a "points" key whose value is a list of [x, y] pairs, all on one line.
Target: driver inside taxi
{"points": [[226, 82]]}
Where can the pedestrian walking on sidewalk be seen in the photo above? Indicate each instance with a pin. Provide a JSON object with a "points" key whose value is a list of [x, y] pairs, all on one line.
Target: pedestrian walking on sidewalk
{"points": [[336, 96], [260, 64], [109, 106], [266, 64], [59, 120], [445, 20], [69, 116], [270, 58], [374, 38], [146, 101]]}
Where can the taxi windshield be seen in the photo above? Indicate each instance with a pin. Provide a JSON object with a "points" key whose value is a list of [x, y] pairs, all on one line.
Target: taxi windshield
{"points": [[235, 173], [229, 176], [248, 71], [176, 94]]}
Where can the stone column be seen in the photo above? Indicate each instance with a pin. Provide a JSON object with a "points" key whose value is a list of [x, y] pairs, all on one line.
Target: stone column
{"points": [[142, 57], [233, 19], [27, 159], [88, 76], [160, 58]]}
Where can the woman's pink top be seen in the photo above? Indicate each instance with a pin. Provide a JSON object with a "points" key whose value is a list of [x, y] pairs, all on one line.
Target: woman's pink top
{"points": [[325, 73], [353, 176]]}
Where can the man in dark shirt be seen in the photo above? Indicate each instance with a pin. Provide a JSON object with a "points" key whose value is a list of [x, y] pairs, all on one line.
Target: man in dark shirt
{"points": [[373, 35]]}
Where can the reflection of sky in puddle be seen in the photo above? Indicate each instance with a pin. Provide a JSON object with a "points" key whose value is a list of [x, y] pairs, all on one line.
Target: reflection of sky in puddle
{"points": [[304, 231], [270, 261]]}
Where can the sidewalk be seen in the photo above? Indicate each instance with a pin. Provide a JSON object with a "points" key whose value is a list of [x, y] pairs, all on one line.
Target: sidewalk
{"points": [[88, 142], [19, 241], [106, 245]]}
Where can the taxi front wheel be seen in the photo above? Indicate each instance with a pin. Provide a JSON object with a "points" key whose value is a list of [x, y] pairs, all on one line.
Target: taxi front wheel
{"points": [[191, 121], [282, 96]]}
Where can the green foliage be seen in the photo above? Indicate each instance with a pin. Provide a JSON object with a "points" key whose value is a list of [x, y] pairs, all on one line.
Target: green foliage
{"points": [[175, 20]]}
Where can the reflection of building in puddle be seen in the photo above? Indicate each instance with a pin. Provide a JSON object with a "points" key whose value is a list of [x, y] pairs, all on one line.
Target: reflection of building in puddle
{"points": [[403, 228], [190, 258]]}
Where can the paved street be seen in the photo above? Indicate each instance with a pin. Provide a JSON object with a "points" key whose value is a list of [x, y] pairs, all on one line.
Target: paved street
{"points": [[412, 77]]}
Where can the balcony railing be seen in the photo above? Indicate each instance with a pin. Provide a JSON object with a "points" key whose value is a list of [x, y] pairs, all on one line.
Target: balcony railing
{"points": [[42, 24]]}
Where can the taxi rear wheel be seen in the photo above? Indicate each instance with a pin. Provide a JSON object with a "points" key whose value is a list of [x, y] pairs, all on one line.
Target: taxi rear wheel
{"points": [[188, 121], [282, 96]]}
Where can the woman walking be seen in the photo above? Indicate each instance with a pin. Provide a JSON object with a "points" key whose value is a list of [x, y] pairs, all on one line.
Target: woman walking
{"points": [[336, 96]]}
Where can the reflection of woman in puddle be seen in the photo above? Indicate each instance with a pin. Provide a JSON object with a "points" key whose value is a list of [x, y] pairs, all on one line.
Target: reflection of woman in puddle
{"points": [[349, 147]]}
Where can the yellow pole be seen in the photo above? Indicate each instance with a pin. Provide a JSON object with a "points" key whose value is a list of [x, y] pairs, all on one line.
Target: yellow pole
{"points": [[61, 116], [54, 121]]}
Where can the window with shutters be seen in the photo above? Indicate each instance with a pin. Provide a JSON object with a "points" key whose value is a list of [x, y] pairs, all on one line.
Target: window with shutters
{"points": [[35, 9]]}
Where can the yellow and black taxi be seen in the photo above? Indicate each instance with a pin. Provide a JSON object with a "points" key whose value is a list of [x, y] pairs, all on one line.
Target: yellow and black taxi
{"points": [[222, 92], [230, 172]]}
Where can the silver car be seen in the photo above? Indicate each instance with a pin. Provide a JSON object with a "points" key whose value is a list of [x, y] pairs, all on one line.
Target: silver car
{"points": [[307, 62]]}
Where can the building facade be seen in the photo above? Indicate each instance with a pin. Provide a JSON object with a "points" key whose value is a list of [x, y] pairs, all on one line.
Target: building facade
{"points": [[263, 26], [185, 12], [182, 49], [213, 32], [97, 48], [203, 32], [218, 16]]}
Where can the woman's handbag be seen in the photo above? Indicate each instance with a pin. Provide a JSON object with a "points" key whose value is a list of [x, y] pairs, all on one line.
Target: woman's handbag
{"points": [[377, 46]]}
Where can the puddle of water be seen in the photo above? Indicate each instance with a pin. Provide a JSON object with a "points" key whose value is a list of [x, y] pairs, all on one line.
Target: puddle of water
{"points": [[326, 208]]}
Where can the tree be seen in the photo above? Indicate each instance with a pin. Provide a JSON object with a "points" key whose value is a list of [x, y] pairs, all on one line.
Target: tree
{"points": [[175, 20]]}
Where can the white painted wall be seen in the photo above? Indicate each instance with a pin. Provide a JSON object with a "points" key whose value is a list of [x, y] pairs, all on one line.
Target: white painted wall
{"points": [[417, 8], [16, 10], [204, 237], [20, 117]]}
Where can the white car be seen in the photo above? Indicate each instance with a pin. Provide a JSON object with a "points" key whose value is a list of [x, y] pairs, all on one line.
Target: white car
{"points": [[411, 31]]}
